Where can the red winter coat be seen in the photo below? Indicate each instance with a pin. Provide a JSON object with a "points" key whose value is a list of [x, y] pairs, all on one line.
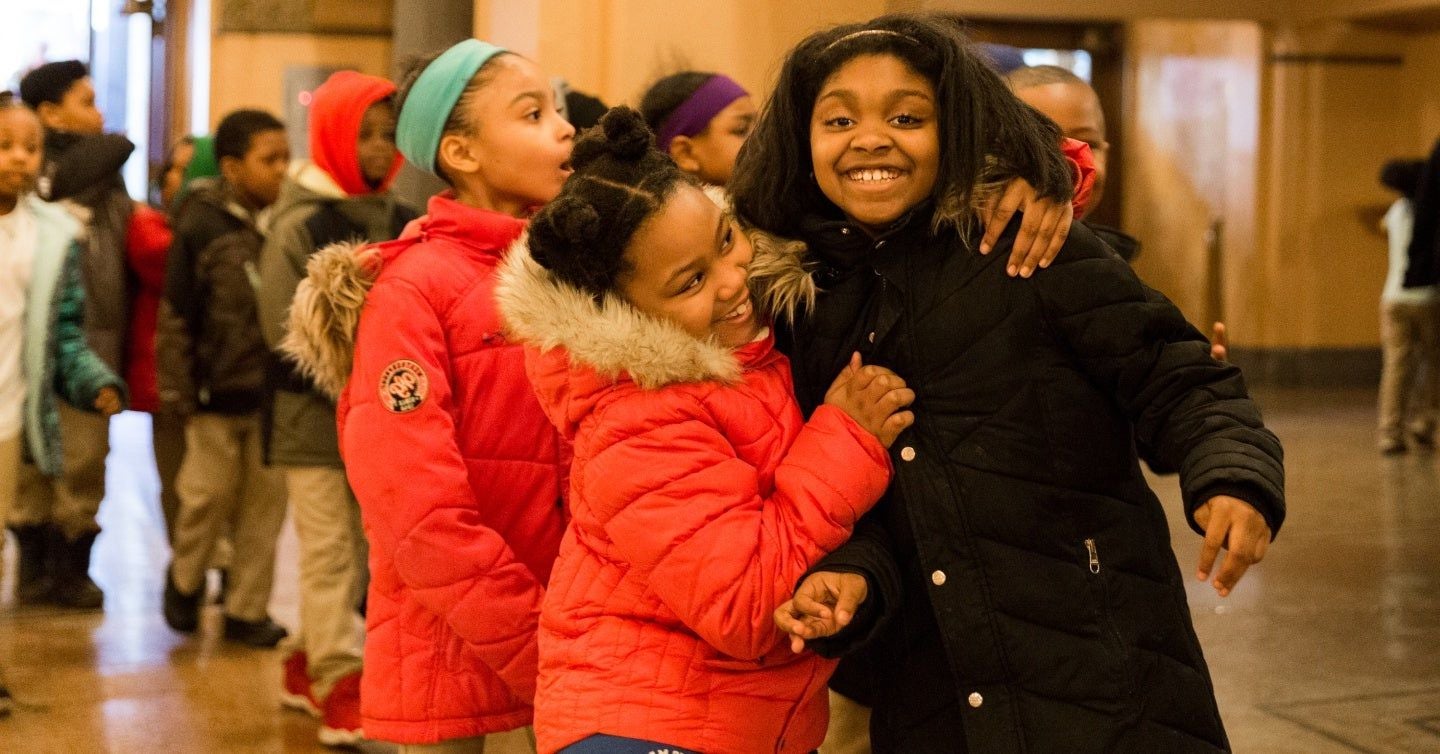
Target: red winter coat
{"points": [[147, 244], [700, 495], [456, 469]]}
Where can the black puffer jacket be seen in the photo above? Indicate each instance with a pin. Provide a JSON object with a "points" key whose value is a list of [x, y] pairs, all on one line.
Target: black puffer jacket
{"points": [[209, 353], [1024, 596]]}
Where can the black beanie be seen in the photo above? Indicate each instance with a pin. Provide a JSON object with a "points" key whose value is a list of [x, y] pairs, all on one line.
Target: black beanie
{"points": [[50, 82], [619, 180]]}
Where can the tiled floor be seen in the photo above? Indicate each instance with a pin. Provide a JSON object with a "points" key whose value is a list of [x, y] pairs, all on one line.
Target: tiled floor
{"points": [[1331, 645]]}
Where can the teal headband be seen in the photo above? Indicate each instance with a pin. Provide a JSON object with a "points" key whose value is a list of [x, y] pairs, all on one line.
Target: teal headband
{"points": [[433, 97]]}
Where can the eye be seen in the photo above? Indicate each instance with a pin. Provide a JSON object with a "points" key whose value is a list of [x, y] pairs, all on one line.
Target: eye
{"points": [[534, 115], [905, 120], [693, 282], [840, 121]]}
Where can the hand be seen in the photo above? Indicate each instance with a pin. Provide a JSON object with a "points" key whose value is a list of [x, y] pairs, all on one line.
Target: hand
{"points": [[1235, 525], [1042, 232], [825, 603], [874, 397], [108, 401], [1219, 342]]}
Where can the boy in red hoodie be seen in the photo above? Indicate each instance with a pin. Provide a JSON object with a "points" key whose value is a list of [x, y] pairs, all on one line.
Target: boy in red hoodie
{"points": [[341, 194]]}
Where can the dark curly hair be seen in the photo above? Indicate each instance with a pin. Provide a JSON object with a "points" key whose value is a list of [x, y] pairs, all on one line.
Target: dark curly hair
{"points": [[987, 136], [668, 94], [620, 179]]}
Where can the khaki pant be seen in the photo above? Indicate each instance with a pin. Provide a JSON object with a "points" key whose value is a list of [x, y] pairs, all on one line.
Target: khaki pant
{"points": [[333, 554], [1410, 382], [71, 501], [849, 731], [519, 741], [223, 480], [9, 484]]}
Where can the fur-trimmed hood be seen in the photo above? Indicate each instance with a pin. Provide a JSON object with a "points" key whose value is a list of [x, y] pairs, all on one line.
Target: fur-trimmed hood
{"points": [[324, 316]]}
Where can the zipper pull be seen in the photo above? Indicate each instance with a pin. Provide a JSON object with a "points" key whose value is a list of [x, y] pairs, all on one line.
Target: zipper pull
{"points": [[1094, 556]]}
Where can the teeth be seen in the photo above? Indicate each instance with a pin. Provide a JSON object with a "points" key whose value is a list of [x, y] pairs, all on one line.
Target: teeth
{"points": [[872, 175]]}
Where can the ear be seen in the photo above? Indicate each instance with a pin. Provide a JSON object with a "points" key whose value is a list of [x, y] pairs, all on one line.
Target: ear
{"points": [[49, 114], [682, 151], [456, 156], [230, 169]]}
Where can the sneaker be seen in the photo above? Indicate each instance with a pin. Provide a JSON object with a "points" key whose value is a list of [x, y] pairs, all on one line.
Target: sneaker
{"points": [[261, 634], [340, 721], [182, 611], [1423, 442], [6, 701], [1392, 446], [297, 693]]}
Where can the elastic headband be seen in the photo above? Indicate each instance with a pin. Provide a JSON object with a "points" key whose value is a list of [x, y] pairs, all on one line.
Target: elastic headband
{"points": [[433, 97], [870, 33], [695, 113]]}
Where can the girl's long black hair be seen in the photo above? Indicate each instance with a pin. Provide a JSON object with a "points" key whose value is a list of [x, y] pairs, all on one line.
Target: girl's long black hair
{"points": [[987, 136]]}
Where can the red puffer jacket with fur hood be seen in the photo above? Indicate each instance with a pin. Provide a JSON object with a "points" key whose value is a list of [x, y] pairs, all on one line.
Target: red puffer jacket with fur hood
{"points": [[457, 471], [699, 496]]}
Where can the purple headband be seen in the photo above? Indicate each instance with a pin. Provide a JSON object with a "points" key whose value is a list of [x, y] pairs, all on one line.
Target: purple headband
{"points": [[695, 113]]}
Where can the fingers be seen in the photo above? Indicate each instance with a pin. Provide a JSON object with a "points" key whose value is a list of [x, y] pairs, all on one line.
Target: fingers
{"points": [[805, 605], [788, 620], [1219, 342], [851, 592], [1215, 531], [1029, 230], [1062, 233], [1005, 208], [1047, 224]]}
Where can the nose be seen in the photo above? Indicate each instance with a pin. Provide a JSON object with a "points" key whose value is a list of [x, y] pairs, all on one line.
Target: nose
{"points": [[567, 130], [872, 138]]}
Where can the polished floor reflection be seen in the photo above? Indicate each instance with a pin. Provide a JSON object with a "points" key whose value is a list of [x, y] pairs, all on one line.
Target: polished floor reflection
{"points": [[1331, 645]]}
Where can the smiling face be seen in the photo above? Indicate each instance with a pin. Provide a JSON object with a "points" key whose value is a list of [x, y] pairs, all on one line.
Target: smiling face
{"points": [[688, 263], [710, 155], [874, 139], [517, 156], [20, 152]]}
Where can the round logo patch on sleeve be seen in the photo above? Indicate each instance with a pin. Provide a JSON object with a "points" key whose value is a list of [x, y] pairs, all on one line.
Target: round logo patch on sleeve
{"points": [[403, 386]]}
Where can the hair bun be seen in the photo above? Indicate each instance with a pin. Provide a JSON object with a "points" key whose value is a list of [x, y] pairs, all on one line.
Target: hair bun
{"points": [[626, 134]]}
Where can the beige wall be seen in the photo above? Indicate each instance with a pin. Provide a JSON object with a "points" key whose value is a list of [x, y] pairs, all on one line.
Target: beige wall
{"points": [[1190, 161], [248, 70], [615, 48]]}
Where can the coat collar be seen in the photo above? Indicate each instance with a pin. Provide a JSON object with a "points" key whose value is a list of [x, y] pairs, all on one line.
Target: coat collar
{"points": [[479, 229]]}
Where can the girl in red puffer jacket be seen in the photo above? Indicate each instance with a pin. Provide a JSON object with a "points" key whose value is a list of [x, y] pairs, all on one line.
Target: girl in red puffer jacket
{"points": [[456, 469], [698, 492]]}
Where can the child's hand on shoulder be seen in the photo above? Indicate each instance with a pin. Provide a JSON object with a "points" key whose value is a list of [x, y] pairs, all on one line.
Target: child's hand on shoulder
{"points": [[874, 397], [108, 401], [1043, 230], [825, 603]]}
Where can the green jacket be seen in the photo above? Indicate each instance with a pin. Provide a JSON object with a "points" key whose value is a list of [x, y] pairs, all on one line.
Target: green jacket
{"points": [[310, 214], [57, 360]]}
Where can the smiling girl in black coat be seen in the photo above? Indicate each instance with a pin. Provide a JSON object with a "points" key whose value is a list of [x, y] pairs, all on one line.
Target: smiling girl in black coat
{"points": [[1016, 590]]}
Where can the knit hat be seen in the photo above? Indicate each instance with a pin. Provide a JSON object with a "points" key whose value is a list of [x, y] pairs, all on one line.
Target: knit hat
{"points": [[50, 82], [336, 110]]}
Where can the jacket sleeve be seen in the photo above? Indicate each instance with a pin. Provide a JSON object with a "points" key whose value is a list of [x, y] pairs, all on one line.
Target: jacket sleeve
{"points": [[174, 361], [867, 553], [414, 491], [721, 552], [282, 266], [1190, 412], [80, 375]]}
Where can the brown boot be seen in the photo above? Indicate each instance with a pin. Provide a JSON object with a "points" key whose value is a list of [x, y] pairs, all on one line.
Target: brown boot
{"points": [[33, 580], [70, 561]]}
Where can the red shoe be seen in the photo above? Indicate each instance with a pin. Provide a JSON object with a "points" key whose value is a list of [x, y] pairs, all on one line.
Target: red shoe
{"points": [[297, 693], [340, 724]]}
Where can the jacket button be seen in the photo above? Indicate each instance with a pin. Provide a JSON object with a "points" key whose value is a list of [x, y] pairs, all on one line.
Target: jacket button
{"points": [[976, 700], [907, 453], [844, 231], [938, 578], [870, 337]]}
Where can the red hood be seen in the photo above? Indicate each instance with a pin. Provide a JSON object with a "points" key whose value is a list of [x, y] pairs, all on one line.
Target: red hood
{"points": [[336, 110]]}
